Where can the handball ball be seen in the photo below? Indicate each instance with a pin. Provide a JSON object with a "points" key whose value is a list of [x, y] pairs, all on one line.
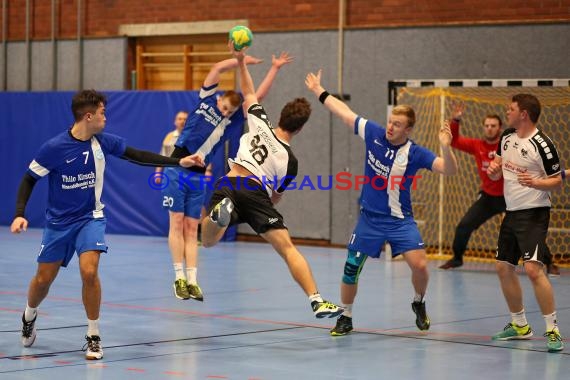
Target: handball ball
{"points": [[241, 37]]}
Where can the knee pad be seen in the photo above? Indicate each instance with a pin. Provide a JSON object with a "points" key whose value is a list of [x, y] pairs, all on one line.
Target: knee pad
{"points": [[352, 267]]}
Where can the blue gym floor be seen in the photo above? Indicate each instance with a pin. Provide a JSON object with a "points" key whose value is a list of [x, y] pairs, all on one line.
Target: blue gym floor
{"points": [[256, 324]]}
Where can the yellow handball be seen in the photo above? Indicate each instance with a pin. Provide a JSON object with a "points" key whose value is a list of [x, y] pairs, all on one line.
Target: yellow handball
{"points": [[241, 37]]}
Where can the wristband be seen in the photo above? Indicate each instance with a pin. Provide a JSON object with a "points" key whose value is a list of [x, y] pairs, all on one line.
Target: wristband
{"points": [[322, 97], [563, 174]]}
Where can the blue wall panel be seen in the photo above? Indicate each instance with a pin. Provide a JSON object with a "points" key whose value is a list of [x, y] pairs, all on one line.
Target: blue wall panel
{"points": [[132, 206]]}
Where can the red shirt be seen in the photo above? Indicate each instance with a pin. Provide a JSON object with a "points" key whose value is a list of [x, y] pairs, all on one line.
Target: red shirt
{"points": [[484, 153]]}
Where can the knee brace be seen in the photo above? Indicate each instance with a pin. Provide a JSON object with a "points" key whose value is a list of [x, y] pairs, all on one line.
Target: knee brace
{"points": [[352, 267]]}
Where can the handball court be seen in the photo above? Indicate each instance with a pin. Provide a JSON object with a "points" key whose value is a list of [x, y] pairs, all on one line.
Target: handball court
{"points": [[256, 324]]}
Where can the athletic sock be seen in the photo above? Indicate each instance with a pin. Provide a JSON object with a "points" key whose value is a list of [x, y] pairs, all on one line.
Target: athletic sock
{"points": [[519, 318], [550, 320], [92, 327], [30, 313], [191, 275], [315, 297], [419, 298], [347, 310], [179, 271]]}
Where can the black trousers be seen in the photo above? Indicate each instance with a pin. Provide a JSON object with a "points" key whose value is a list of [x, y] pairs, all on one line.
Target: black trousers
{"points": [[485, 207]]}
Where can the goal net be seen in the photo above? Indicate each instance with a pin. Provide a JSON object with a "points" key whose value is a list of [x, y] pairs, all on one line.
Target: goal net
{"points": [[440, 202]]}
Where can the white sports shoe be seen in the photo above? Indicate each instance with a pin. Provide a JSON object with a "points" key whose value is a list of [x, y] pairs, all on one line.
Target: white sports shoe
{"points": [[93, 349], [28, 331]]}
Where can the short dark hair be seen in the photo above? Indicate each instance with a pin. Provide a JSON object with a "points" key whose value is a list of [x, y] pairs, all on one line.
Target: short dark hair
{"points": [[528, 103], [494, 116], [294, 115], [86, 101]]}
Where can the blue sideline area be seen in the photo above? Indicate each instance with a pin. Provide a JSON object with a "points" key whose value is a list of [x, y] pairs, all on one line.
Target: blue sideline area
{"points": [[28, 119]]}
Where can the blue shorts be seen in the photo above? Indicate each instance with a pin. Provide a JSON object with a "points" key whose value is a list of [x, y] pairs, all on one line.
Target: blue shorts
{"points": [[185, 192], [373, 230], [59, 243]]}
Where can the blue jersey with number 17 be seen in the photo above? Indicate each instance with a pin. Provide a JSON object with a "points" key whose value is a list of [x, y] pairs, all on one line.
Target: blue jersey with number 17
{"points": [[75, 171], [391, 170]]}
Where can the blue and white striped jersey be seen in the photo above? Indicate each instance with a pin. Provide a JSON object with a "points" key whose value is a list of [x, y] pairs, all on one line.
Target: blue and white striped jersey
{"points": [[205, 127], [75, 170], [390, 170]]}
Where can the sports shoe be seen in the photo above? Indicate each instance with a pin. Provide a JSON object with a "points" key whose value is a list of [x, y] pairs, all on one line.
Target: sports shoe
{"points": [[326, 309], [181, 289], [222, 212], [343, 326], [552, 270], [450, 264], [554, 341], [93, 349], [422, 320], [28, 331], [195, 292], [512, 332]]}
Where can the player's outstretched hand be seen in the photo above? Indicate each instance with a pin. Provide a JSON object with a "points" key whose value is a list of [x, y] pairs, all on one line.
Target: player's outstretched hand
{"points": [[192, 160], [18, 225], [283, 59], [457, 109], [251, 60], [445, 134], [313, 81]]}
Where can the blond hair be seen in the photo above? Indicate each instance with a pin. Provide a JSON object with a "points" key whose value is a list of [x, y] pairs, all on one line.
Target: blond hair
{"points": [[407, 111]]}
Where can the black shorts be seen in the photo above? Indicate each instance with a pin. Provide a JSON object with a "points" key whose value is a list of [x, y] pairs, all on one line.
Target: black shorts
{"points": [[252, 204], [523, 234]]}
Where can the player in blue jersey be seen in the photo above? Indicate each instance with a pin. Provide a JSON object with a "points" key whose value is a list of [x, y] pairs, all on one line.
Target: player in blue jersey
{"points": [[74, 162], [391, 162], [243, 195], [214, 120]]}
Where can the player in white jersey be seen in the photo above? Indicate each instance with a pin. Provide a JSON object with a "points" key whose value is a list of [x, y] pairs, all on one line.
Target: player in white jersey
{"points": [[214, 120], [74, 161], [246, 195], [528, 161], [391, 162]]}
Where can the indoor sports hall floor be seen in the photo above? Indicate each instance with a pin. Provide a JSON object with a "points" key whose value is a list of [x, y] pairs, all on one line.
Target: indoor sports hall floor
{"points": [[256, 324]]}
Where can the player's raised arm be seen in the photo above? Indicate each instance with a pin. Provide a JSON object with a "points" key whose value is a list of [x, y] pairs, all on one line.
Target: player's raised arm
{"points": [[447, 163], [246, 82], [213, 76], [336, 106], [276, 64]]}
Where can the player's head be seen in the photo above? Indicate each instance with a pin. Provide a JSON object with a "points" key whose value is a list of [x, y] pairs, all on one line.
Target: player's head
{"points": [[400, 124], [294, 115], [524, 108], [180, 120], [492, 127], [229, 102], [89, 106]]}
